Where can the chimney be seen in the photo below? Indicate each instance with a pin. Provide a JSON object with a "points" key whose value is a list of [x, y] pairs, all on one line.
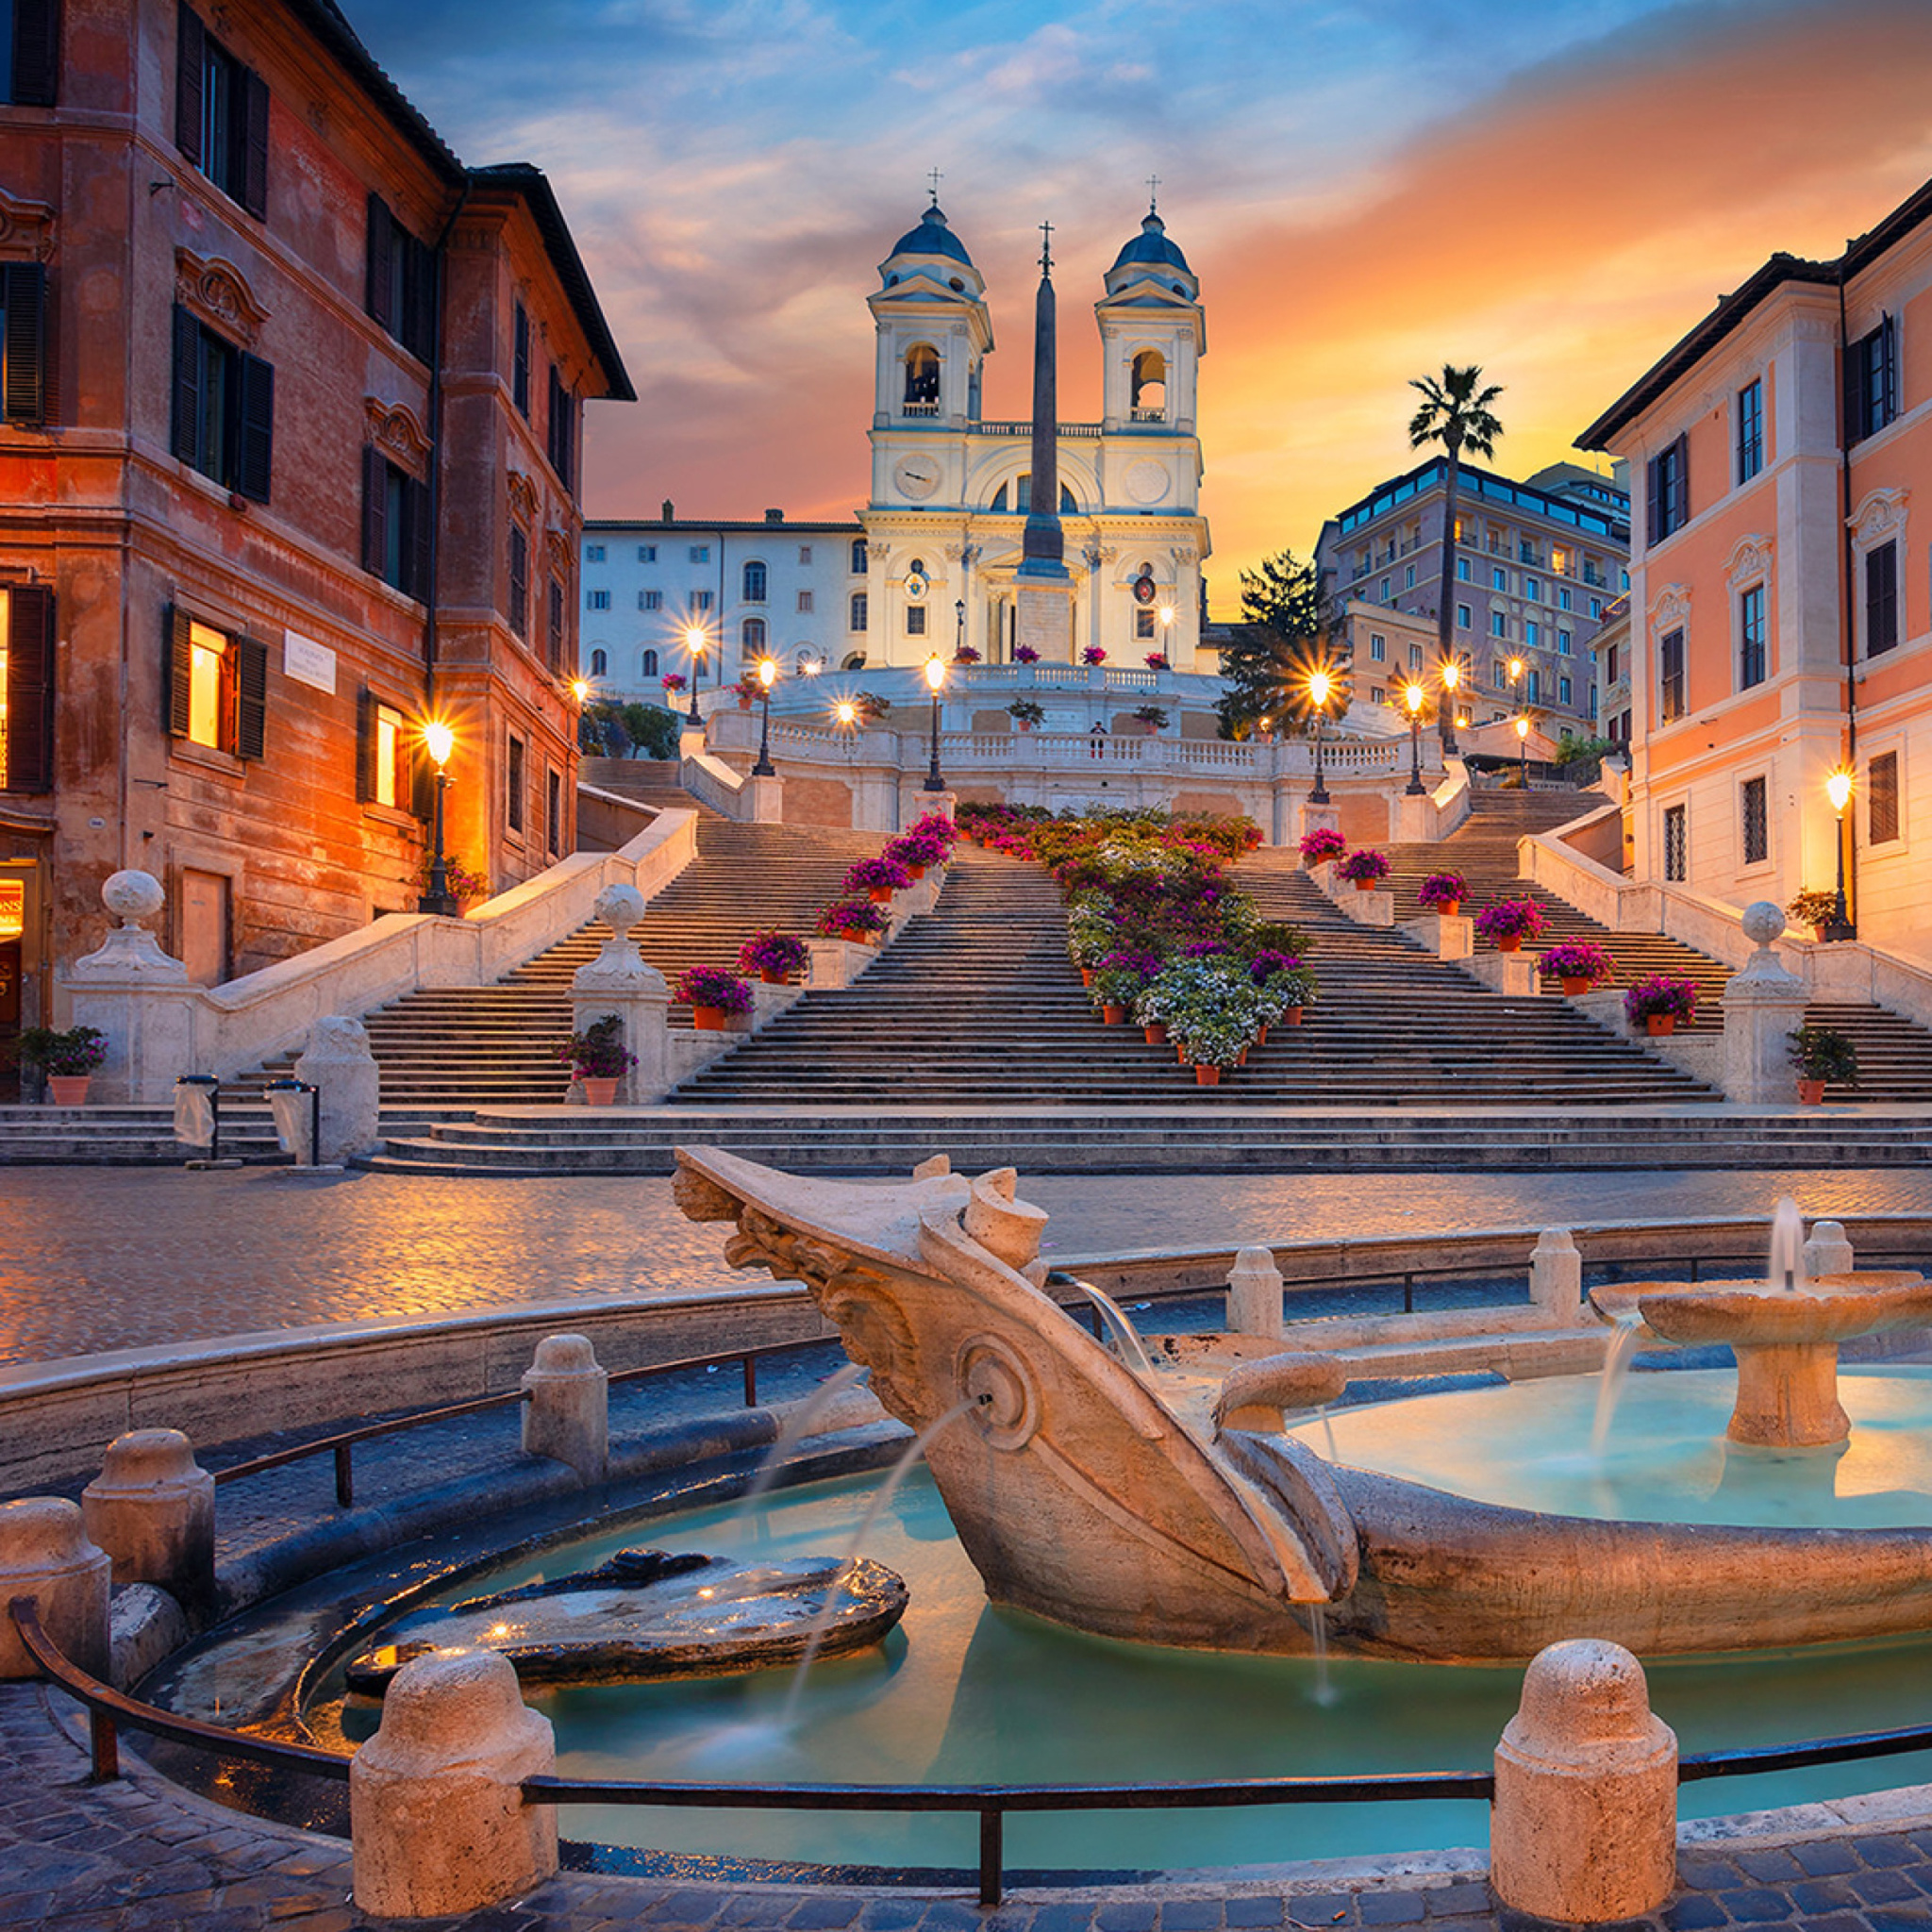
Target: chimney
{"points": [[774, 516], [670, 512]]}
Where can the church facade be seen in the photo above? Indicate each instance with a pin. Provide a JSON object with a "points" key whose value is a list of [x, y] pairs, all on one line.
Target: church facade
{"points": [[952, 491]]}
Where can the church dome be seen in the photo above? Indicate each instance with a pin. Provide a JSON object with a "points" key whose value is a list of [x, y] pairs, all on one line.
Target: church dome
{"points": [[932, 236], [1150, 246]]}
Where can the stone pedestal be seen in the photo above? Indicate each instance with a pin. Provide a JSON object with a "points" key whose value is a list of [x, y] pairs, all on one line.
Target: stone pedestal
{"points": [[767, 800], [1315, 818], [567, 1413], [1827, 1252], [620, 980], [348, 1085], [915, 801], [1045, 618], [152, 1508], [1415, 818], [437, 1823], [1585, 1823], [46, 1554], [837, 962], [1254, 1294], [1365, 909], [1513, 974], [1448, 938], [1556, 1276], [138, 996], [1763, 1003]]}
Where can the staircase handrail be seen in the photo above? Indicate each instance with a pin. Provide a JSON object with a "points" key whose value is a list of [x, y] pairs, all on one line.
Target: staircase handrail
{"points": [[712, 782]]}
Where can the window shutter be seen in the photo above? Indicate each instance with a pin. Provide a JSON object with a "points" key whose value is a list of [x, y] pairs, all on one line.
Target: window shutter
{"points": [[30, 742], [418, 331], [1652, 508], [36, 52], [1888, 363], [560, 639], [374, 511], [187, 424], [1680, 484], [251, 697], [382, 242], [254, 195], [421, 782], [365, 745], [25, 291], [176, 669], [416, 551], [257, 454], [518, 580], [191, 57], [520, 372]]}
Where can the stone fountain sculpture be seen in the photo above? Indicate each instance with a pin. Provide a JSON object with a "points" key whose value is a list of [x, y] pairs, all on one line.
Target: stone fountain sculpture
{"points": [[1083, 1496]]}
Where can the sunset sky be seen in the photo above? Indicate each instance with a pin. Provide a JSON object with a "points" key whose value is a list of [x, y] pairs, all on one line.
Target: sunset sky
{"points": [[1554, 188]]}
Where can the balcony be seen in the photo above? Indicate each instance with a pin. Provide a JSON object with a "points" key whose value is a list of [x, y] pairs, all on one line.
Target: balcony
{"points": [[1146, 415], [922, 410]]}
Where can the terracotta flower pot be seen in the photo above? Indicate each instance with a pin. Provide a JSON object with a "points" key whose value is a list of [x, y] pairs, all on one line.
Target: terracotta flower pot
{"points": [[1155, 1032], [855, 934], [772, 979], [1291, 1017], [599, 1093], [1513, 944], [1810, 1092], [1446, 910], [709, 1019], [744, 704], [1086, 976], [1574, 983], [68, 1089], [1660, 1024], [1113, 1016], [1366, 885], [882, 895], [1180, 1051], [1261, 1037], [1241, 1059], [918, 871], [1207, 1077]]}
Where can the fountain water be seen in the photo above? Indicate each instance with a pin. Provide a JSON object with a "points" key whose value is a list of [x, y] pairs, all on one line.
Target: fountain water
{"points": [[1788, 1246], [1126, 1337], [1618, 1357], [799, 1422]]}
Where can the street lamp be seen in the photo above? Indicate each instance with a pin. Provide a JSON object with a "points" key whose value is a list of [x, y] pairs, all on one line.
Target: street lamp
{"points": [[1515, 673], [934, 678], [697, 643], [1412, 696], [1522, 751], [1838, 789], [1451, 676], [1167, 634], [958, 630], [579, 689], [768, 676], [1320, 685], [439, 740]]}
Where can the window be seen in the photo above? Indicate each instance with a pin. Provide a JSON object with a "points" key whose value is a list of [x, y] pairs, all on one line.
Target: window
{"points": [[1562, 596], [1559, 561], [1881, 598], [1378, 648], [1624, 580], [1379, 695], [553, 812], [1677, 842], [514, 785], [1415, 656], [593, 553], [1597, 609], [1536, 687], [519, 581], [859, 556], [1385, 591], [30, 58], [597, 600], [751, 635], [647, 553], [647, 664], [395, 525], [754, 583], [859, 612], [1408, 579], [650, 600], [386, 758], [915, 621], [22, 341], [1881, 796], [560, 437], [701, 600], [805, 553], [1462, 615], [1669, 675], [1533, 590], [1610, 665], [1754, 822], [1499, 579], [1143, 626], [1751, 637], [556, 638], [26, 689], [922, 379], [599, 662], [1499, 623], [805, 602], [519, 363], [1564, 641], [1563, 696], [701, 553], [1533, 634], [220, 114], [1462, 570], [215, 686], [1750, 430], [400, 292], [223, 408], [1870, 382], [1668, 503]]}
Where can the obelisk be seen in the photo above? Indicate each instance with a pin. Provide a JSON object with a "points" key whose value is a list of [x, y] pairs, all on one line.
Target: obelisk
{"points": [[1045, 590]]}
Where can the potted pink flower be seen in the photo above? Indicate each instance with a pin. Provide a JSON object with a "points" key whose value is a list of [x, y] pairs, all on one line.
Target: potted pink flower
{"points": [[1156, 660], [672, 681], [775, 956], [1025, 653], [1322, 844], [917, 849], [858, 920], [713, 996], [598, 1060], [1442, 892], [1364, 870], [1508, 922], [1657, 1002], [965, 655], [879, 877], [1093, 655], [1580, 964]]}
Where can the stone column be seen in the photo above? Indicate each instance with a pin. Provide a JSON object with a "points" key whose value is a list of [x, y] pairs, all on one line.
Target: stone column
{"points": [[767, 801], [1585, 1823], [1556, 1276], [437, 1824], [1254, 1294], [568, 1412], [1315, 818], [152, 1508], [138, 996], [1763, 1003], [349, 1087], [620, 980], [46, 1554]]}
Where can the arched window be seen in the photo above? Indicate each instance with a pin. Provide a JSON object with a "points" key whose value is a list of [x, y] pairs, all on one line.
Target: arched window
{"points": [[859, 556], [855, 660], [1068, 507], [600, 663], [647, 664], [999, 499], [754, 583], [1147, 397], [923, 376], [751, 635]]}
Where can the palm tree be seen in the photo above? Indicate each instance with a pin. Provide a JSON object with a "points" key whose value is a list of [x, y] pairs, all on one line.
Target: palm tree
{"points": [[1455, 414]]}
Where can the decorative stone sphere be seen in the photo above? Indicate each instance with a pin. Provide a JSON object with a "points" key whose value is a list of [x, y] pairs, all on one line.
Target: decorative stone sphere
{"points": [[133, 895], [1762, 922], [620, 907]]}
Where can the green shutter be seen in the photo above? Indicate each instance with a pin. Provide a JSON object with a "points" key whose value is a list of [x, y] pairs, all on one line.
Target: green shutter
{"points": [[251, 697], [177, 669], [30, 742]]}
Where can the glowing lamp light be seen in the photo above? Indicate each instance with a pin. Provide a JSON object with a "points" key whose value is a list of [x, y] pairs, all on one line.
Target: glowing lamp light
{"points": [[1320, 685], [1412, 697], [1452, 674], [935, 674], [1462, 721], [1267, 724], [439, 740], [768, 673], [1166, 614], [579, 689], [695, 641], [1837, 788], [1515, 668], [846, 712], [812, 667], [1523, 728]]}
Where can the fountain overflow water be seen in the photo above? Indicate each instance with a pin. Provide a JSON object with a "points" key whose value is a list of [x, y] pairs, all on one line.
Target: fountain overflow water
{"points": [[1126, 1337], [1788, 1247]]}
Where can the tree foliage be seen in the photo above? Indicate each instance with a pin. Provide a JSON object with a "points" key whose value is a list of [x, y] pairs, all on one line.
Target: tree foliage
{"points": [[1291, 629], [1455, 414]]}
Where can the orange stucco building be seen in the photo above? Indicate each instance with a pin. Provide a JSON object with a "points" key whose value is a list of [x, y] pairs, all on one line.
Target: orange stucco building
{"points": [[289, 462], [1780, 611]]}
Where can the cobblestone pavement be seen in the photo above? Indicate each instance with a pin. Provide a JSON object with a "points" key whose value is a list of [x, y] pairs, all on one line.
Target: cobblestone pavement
{"points": [[96, 1258]]}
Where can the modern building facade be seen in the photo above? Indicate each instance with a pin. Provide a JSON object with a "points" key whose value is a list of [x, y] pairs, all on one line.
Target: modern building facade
{"points": [[1535, 566], [1780, 621], [292, 426]]}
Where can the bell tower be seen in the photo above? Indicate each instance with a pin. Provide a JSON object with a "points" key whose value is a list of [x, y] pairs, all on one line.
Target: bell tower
{"points": [[1153, 334]]}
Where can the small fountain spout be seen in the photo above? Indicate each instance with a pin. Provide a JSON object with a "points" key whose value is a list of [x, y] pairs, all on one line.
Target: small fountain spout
{"points": [[1788, 1247]]}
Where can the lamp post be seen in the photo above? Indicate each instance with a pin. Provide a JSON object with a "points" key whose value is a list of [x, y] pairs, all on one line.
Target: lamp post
{"points": [[1167, 634], [697, 643], [1412, 696], [1320, 685], [958, 629], [934, 678], [439, 740], [1451, 676], [768, 676], [1522, 752], [1515, 668], [1839, 790]]}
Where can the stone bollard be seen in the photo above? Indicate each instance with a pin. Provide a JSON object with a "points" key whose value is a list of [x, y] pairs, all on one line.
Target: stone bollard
{"points": [[568, 1412], [152, 1508], [437, 1824], [1254, 1294], [44, 1553], [1827, 1252], [1584, 1828], [1556, 1276]]}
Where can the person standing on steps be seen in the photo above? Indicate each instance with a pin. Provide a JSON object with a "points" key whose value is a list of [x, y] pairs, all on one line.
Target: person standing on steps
{"points": [[1098, 732]]}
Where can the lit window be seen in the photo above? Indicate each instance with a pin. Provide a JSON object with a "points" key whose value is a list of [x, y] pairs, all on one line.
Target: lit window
{"points": [[207, 663], [389, 751]]}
